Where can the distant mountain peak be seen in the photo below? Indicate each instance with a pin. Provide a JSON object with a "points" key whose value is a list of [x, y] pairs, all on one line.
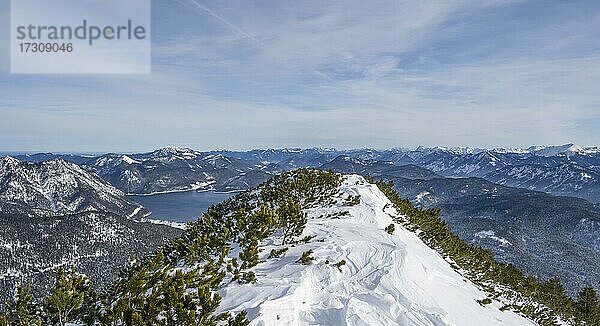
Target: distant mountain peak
{"points": [[292, 150], [215, 158], [349, 159], [129, 160], [325, 149], [510, 150], [547, 151], [174, 150], [457, 150], [9, 160], [566, 149]]}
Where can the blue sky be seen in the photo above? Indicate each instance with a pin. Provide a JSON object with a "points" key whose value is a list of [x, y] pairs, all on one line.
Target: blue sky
{"points": [[346, 74]]}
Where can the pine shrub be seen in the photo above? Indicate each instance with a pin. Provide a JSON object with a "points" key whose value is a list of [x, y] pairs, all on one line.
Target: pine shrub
{"points": [[306, 257], [390, 228]]}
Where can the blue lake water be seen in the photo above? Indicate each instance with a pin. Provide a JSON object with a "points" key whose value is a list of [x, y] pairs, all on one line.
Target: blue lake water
{"points": [[180, 206]]}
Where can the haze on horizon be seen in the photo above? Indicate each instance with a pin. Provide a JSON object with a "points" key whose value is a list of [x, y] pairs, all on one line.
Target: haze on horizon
{"points": [[345, 74]]}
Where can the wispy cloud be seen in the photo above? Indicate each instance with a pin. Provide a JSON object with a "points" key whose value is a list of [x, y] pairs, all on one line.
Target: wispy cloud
{"points": [[194, 5], [242, 74]]}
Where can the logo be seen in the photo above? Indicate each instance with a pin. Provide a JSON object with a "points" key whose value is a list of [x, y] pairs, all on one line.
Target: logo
{"points": [[80, 36]]}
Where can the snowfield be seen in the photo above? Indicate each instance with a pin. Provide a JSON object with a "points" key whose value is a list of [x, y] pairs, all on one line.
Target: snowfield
{"points": [[387, 279]]}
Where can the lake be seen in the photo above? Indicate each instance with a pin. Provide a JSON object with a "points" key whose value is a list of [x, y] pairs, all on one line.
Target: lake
{"points": [[180, 206]]}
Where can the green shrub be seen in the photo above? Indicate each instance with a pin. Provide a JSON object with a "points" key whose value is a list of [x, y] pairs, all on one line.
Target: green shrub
{"points": [[308, 238], [484, 302], [340, 264], [352, 200], [306, 258], [390, 228], [276, 253], [248, 277]]}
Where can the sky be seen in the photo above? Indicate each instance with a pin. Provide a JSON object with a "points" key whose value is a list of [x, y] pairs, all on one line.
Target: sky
{"points": [[242, 74]]}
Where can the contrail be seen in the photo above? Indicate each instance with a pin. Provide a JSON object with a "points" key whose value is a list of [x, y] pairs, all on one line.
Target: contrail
{"points": [[224, 21], [239, 30], [324, 75]]}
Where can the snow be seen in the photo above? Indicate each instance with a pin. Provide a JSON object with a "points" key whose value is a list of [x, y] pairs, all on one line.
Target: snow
{"points": [[510, 150], [421, 196], [592, 150], [567, 149], [173, 224], [129, 160], [489, 234], [56, 185], [202, 185], [459, 150], [135, 212], [171, 149], [387, 280], [173, 153], [291, 150], [214, 158]]}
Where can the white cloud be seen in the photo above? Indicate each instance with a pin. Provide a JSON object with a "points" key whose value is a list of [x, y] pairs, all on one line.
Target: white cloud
{"points": [[346, 74]]}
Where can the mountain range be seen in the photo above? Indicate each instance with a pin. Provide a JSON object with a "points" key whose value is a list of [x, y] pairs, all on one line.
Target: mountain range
{"points": [[176, 169], [510, 200], [568, 170]]}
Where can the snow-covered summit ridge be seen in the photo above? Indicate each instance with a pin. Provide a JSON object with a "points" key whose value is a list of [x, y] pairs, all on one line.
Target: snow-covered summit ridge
{"points": [[546, 151], [566, 149], [388, 279], [171, 149]]}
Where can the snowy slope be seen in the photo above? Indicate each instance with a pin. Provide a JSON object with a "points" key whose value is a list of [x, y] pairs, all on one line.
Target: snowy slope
{"points": [[59, 187], [387, 280]]}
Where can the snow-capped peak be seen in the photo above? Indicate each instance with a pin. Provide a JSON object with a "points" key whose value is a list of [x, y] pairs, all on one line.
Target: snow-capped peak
{"points": [[510, 150], [8, 160], [214, 158], [592, 150], [576, 149], [457, 150], [291, 150], [567, 149], [129, 160], [325, 149], [174, 150], [547, 151]]}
